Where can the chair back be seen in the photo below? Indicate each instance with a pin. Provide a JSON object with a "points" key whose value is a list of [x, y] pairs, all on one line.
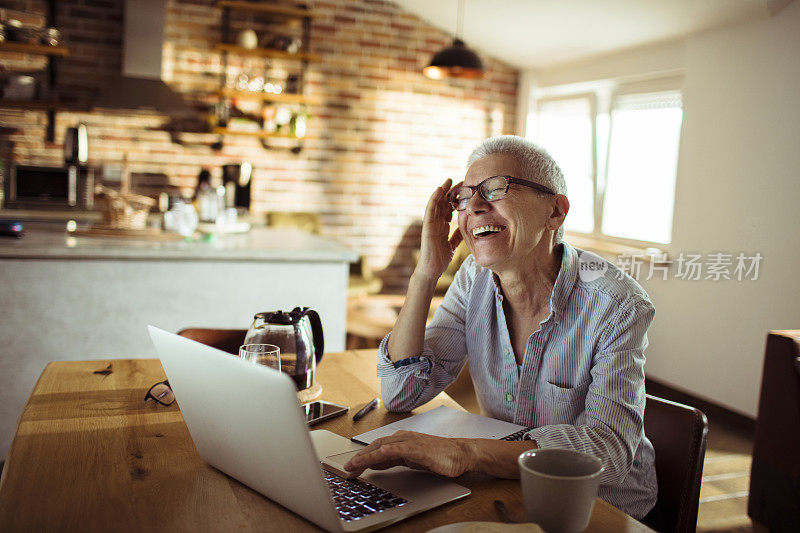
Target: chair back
{"points": [[227, 340], [678, 433], [309, 222], [774, 500]]}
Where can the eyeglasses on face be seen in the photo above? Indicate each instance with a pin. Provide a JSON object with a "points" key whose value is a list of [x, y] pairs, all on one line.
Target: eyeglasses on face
{"points": [[160, 393], [491, 189]]}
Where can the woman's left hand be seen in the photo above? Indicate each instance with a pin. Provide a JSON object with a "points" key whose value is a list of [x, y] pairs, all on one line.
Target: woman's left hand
{"points": [[445, 456]]}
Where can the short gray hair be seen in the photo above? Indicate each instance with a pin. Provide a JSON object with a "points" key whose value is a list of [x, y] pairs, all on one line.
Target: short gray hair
{"points": [[537, 164]]}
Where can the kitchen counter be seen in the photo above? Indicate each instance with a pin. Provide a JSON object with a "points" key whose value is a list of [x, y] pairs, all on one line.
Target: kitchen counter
{"points": [[50, 215], [258, 244], [67, 298]]}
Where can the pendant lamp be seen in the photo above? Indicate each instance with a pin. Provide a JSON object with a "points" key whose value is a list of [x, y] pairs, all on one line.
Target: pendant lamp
{"points": [[455, 61]]}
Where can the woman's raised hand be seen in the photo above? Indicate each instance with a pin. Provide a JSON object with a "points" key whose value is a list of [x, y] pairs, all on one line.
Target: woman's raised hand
{"points": [[436, 250]]}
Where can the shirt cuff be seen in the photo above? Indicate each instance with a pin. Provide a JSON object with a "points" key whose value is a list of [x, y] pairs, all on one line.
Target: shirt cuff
{"points": [[419, 366], [413, 360]]}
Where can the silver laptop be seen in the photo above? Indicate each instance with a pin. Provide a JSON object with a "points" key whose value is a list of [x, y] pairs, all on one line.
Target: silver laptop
{"points": [[245, 420]]}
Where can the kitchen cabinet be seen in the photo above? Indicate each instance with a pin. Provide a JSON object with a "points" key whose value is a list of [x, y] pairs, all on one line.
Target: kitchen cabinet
{"points": [[254, 103]]}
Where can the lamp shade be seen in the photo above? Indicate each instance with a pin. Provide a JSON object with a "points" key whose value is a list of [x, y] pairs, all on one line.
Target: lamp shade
{"points": [[455, 61]]}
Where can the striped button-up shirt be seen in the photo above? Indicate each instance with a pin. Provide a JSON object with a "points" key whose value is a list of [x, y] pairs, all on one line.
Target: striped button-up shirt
{"points": [[581, 385]]}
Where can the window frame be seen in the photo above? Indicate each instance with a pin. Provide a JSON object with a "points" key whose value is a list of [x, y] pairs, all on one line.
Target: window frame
{"points": [[601, 96]]}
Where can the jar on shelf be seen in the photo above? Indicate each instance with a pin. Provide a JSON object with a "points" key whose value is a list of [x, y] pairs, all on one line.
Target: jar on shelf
{"points": [[223, 113], [298, 124], [256, 84], [273, 88], [51, 36], [292, 84], [283, 117], [268, 113], [17, 32], [247, 39], [13, 30]]}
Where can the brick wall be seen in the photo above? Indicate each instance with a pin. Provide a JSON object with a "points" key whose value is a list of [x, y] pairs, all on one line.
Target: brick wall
{"points": [[380, 139]]}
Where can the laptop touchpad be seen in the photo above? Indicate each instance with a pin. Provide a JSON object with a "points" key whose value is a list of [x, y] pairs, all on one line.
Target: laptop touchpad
{"points": [[337, 462]]}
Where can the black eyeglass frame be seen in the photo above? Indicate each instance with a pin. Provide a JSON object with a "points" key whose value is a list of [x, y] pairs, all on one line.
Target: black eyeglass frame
{"points": [[150, 394], [478, 188]]}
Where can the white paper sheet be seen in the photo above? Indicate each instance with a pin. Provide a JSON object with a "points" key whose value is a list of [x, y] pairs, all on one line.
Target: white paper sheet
{"points": [[445, 422]]}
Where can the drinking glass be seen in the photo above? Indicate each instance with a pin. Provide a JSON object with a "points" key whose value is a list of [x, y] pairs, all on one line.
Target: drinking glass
{"points": [[262, 354]]}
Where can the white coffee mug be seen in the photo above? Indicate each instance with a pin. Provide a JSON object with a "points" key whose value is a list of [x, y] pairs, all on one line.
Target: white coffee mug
{"points": [[559, 487]]}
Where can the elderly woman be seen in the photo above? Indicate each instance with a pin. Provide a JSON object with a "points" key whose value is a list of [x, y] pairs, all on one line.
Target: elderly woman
{"points": [[546, 348]]}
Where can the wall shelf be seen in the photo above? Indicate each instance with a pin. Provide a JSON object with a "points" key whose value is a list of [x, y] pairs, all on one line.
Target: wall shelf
{"points": [[33, 105], [266, 52], [53, 55], [257, 134], [302, 58], [239, 5], [286, 98], [36, 49]]}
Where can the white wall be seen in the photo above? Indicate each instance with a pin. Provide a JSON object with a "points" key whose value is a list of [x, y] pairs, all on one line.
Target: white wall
{"points": [[738, 190]]}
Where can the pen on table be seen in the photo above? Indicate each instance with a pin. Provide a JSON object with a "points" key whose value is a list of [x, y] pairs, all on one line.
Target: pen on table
{"points": [[366, 409]]}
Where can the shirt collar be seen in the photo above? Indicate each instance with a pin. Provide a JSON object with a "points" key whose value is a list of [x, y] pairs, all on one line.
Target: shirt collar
{"points": [[565, 281]]}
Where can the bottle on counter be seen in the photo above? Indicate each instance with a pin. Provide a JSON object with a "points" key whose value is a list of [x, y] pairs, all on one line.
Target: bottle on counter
{"points": [[205, 198], [210, 199], [181, 218], [222, 213]]}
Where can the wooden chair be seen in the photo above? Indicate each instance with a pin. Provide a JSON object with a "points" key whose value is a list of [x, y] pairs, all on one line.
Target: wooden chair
{"points": [[774, 500], [362, 280], [678, 433], [227, 340], [305, 221]]}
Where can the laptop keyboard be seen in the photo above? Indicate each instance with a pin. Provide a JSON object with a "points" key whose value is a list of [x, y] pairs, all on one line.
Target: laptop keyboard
{"points": [[518, 435], [357, 499]]}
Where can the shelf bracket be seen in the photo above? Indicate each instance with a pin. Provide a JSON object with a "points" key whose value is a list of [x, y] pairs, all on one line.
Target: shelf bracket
{"points": [[50, 132]]}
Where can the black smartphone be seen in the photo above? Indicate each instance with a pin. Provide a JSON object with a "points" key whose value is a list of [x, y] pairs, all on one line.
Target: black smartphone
{"points": [[319, 411]]}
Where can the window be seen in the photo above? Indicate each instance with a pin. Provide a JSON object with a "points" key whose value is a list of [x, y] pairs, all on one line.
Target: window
{"points": [[618, 150], [566, 127]]}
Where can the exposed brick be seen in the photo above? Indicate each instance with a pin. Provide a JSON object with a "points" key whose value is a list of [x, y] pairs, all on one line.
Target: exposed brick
{"points": [[378, 123]]}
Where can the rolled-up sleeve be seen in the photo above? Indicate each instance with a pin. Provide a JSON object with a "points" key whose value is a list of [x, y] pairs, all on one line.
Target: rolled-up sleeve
{"points": [[416, 379], [615, 400]]}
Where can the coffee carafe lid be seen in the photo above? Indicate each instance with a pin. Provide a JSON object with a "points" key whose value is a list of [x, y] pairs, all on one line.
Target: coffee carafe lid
{"points": [[276, 317]]}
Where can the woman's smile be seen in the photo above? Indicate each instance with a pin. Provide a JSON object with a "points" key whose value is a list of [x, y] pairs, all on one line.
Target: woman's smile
{"points": [[490, 242], [486, 231]]}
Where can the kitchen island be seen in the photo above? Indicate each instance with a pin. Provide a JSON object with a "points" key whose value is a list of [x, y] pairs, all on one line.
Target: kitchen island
{"points": [[67, 298]]}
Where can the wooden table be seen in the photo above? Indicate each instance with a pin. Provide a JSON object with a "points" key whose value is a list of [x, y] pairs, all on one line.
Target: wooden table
{"points": [[90, 455]]}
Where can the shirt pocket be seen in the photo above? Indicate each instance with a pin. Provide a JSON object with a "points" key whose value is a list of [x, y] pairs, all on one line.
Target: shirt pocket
{"points": [[564, 404]]}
